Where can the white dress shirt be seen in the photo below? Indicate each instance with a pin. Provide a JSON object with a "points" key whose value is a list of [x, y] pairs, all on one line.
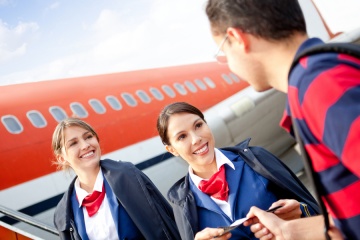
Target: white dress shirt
{"points": [[101, 225], [221, 159]]}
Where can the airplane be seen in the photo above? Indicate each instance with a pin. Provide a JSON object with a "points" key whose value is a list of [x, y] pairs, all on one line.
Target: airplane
{"points": [[122, 108]]}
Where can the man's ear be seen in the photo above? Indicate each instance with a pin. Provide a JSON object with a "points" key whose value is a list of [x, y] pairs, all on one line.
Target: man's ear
{"points": [[239, 37], [171, 150]]}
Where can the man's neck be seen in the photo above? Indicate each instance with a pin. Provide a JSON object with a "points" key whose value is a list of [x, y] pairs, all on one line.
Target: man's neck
{"points": [[280, 57]]}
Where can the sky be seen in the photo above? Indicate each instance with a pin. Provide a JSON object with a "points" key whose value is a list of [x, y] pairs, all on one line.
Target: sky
{"points": [[50, 39]]}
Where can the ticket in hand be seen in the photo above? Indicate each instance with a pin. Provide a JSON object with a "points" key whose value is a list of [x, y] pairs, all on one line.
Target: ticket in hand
{"points": [[240, 221]]}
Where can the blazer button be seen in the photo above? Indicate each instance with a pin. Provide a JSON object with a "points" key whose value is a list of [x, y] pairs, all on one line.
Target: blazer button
{"points": [[245, 150]]}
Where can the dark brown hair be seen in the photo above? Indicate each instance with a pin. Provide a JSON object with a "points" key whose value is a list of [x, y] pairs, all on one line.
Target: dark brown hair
{"points": [[268, 19], [168, 111]]}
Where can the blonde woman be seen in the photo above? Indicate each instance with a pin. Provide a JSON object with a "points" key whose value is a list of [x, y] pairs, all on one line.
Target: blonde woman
{"points": [[107, 199]]}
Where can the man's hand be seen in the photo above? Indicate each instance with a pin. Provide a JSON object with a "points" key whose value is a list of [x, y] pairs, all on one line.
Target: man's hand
{"points": [[265, 225]]}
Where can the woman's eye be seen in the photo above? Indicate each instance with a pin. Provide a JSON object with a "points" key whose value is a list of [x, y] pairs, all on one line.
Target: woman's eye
{"points": [[198, 125], [72, 144], [181, 137], [89, 136]]}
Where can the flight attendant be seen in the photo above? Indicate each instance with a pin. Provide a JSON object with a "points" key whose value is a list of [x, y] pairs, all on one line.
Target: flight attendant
{"points": [[107, 199], [223, 184]]}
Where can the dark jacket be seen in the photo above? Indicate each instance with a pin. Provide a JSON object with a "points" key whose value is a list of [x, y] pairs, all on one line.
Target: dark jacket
{"points": [[146, 206], [262, 162]]}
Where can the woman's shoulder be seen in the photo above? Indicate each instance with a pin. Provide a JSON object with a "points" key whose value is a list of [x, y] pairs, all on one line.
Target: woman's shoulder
{"points": [[61, 213], [238, 147], [179, 190], [109, 163]]}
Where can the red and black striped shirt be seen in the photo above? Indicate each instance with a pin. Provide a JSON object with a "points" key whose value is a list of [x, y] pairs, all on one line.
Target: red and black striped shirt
{"points": [[324, 99]]}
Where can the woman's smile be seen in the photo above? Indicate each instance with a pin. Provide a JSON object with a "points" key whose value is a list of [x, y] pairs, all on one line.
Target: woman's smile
{"points": [[203, 150]]}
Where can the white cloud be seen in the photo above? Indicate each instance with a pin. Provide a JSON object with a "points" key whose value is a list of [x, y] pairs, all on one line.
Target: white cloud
{"points": [[54, 5], [125, 36], [4, 2], [6, 55], [107, 21], [14, 41], [165, 33]]}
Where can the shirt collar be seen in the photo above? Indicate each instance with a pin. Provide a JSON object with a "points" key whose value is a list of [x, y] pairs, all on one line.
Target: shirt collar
{"points": [[81, 193], [220, 159], [309, 43]]}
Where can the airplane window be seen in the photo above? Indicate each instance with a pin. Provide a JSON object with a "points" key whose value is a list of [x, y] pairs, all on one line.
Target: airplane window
{"points": [[129, 99], [97, 106], [168, 91], [12, 124], [236, 78], [190, 86], [58, 113], [78, 110], [113, 102], [226, 78], [143, 96], [156, 93], [180, 88], [200, 84], [209, 82], [36, 118]]}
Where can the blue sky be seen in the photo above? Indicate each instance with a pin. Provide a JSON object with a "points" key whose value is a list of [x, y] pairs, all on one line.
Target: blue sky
{"points": [[49, 39]]}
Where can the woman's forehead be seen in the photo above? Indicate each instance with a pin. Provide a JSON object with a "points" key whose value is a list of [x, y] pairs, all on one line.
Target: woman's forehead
{"points": [[72, 131], [180, 121]]}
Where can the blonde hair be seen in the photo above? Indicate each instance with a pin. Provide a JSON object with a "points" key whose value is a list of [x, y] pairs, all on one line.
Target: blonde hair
{"points": [[58, 138]]}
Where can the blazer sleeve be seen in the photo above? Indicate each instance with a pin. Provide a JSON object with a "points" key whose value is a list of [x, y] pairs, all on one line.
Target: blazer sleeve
{"points": [[275, 170], [269, 166], [184, 207], [144, 203], [162, 207]]}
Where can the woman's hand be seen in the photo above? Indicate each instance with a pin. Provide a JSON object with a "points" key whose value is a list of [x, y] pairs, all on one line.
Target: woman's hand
{"points": [[211, 233], [290, 209]]}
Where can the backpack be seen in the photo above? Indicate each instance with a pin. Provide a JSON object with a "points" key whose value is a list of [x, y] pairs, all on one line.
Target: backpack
{"points": [[351, 49]]}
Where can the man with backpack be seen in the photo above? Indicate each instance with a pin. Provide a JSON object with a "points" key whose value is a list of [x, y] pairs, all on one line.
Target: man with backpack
{"points": [[259, 40]]}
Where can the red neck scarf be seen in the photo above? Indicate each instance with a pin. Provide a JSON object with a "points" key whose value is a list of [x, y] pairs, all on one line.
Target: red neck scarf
{"points": [[93, 201], [216, 186]]}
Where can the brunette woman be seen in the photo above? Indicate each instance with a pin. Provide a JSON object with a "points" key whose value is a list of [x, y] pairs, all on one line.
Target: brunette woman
{"points": [[223, 184]]}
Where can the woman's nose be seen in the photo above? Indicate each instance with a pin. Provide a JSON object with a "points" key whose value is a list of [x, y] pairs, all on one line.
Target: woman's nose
{"points": [[84, 144], [196, 139]]}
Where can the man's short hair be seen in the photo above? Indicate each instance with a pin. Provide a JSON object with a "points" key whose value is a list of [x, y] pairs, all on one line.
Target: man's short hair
{"points": [[268, 19]]}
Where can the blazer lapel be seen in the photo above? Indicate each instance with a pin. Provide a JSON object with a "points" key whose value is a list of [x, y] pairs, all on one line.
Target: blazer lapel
{"points": [[113, 204], [78, 217], [233, 178], [203, 200]]}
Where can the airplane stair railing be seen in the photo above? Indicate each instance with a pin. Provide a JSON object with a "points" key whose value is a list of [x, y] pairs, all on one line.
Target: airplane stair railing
{"points": [[25, 219]]}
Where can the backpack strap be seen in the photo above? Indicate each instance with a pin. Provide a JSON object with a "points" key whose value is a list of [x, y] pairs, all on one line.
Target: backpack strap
{"points": [[313, 178], [338, 47]]}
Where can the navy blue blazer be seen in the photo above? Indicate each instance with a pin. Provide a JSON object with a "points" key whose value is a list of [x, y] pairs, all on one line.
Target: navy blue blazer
{"points": [[145, 205], [126, 229], [284, 185]]}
